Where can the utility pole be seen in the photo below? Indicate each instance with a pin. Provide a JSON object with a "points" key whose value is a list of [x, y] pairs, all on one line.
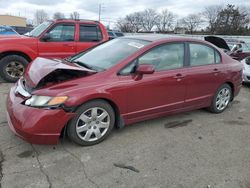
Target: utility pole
{"points": [[100, 11]]}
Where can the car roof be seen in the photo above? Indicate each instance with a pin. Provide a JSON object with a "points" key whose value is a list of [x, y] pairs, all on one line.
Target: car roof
{"points": [[76, 20], [164, 37]]}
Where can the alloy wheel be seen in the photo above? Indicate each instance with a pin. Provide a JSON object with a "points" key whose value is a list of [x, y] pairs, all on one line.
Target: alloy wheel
{"points": [[223, 98], [15, 69], [92, 124]]}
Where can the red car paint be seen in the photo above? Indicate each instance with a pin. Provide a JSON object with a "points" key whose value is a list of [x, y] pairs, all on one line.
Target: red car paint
{"points": [[151, 96], [32, 47]]}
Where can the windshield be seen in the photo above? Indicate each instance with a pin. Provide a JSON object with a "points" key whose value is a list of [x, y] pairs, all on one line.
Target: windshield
{"points": [[110, 53], [40, 28]]}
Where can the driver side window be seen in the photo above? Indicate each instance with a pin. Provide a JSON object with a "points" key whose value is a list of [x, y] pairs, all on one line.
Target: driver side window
{"points": [[164, 57], [62, 33]]}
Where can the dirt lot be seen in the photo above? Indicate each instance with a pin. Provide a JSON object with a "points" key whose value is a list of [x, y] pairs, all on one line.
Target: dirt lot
{"points": [[190, 150]]}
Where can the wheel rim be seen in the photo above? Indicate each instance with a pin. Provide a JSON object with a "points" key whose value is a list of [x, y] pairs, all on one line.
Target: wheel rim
{"points": [[93, 124], [15, 69], [223, 99]]}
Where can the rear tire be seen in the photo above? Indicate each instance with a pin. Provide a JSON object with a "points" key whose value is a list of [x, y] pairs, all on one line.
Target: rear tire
{"points": [[12, 67], [221, 99], [92, 124]]}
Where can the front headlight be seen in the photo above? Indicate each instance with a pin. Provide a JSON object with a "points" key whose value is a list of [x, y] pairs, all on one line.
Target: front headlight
{"points": [[45, 101]]}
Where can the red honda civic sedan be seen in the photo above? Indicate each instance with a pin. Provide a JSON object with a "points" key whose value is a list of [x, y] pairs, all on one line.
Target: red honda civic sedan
{"points": [[120, 82]]}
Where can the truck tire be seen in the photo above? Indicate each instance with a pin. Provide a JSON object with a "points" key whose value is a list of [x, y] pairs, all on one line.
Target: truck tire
{"points": [[12, 67]]}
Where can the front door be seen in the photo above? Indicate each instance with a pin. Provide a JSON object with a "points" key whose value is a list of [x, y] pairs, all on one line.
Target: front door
{"points": [[58, 42], [162, 91]]}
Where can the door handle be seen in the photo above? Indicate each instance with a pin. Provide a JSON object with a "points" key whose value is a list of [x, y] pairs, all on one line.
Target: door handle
{"points": [[68, 45], [216, 70], [179, 76]]}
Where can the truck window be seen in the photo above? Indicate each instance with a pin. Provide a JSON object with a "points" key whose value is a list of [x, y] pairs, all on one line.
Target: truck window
{"points": [[90, 33], [62, 33]]}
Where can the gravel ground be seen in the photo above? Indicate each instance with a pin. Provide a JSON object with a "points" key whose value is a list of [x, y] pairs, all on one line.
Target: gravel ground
{"points": [[190, 150]]}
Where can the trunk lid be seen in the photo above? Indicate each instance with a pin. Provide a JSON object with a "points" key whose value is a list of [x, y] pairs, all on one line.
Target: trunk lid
{"points": [[217, 41]]}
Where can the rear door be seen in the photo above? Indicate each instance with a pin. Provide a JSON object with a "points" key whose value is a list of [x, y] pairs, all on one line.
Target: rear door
{"points": [[204, 75], [61, 42], [89, 35]]}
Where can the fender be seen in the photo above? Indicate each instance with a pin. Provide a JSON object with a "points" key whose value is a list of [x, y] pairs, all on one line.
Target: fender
{"points": [[19, 48], [93, 96]]}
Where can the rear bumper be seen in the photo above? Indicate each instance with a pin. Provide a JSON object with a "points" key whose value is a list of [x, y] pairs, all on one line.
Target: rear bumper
{"points": [[35, 125]]}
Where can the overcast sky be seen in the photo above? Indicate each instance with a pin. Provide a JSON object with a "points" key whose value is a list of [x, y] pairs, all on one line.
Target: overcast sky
{"points": [[112, 9]]}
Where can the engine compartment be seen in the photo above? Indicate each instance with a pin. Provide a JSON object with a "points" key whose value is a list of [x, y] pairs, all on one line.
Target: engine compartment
{"points": [[60, 75]]}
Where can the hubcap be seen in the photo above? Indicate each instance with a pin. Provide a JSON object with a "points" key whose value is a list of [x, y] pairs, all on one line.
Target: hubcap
{"points": [[15, 69], [93, 124], [223, 99]]}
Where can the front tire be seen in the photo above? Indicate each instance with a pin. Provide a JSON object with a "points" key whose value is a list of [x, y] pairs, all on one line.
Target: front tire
{"points": [[12, 67], [221, 99], [92, 124]]}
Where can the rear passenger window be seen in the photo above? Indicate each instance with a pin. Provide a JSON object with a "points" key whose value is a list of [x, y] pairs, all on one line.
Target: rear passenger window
{"points": [[202, 55], [90, 33]]}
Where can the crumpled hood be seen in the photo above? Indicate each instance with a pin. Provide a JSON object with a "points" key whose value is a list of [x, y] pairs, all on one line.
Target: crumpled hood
{"points": [[42, 67], [217, 41]]}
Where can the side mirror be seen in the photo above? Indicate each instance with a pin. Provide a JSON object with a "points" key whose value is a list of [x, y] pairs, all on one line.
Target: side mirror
{"points": [[145, 69], [46, 37]]}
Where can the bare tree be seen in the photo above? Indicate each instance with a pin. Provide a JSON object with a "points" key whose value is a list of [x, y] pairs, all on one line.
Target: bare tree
{"points": [[124, 26], [75, 15], [131, 23], [40, 16], [58, 15], [165, 21], [211, 14], [149, 18], [135, 21], [192, 22]]}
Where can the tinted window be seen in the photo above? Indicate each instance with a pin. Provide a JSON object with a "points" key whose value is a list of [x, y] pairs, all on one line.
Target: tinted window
{"points": [[62, 33], [166, 57], [2, 29], [89, 33], [119, 34], [201, 55], [111, 33]]}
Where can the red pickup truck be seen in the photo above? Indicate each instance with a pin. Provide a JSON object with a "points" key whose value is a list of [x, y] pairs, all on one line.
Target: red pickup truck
{"points": [[51, 39]]}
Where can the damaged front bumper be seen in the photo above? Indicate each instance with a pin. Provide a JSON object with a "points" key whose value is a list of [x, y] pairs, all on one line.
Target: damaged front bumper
{"points": [[35, 125]]}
